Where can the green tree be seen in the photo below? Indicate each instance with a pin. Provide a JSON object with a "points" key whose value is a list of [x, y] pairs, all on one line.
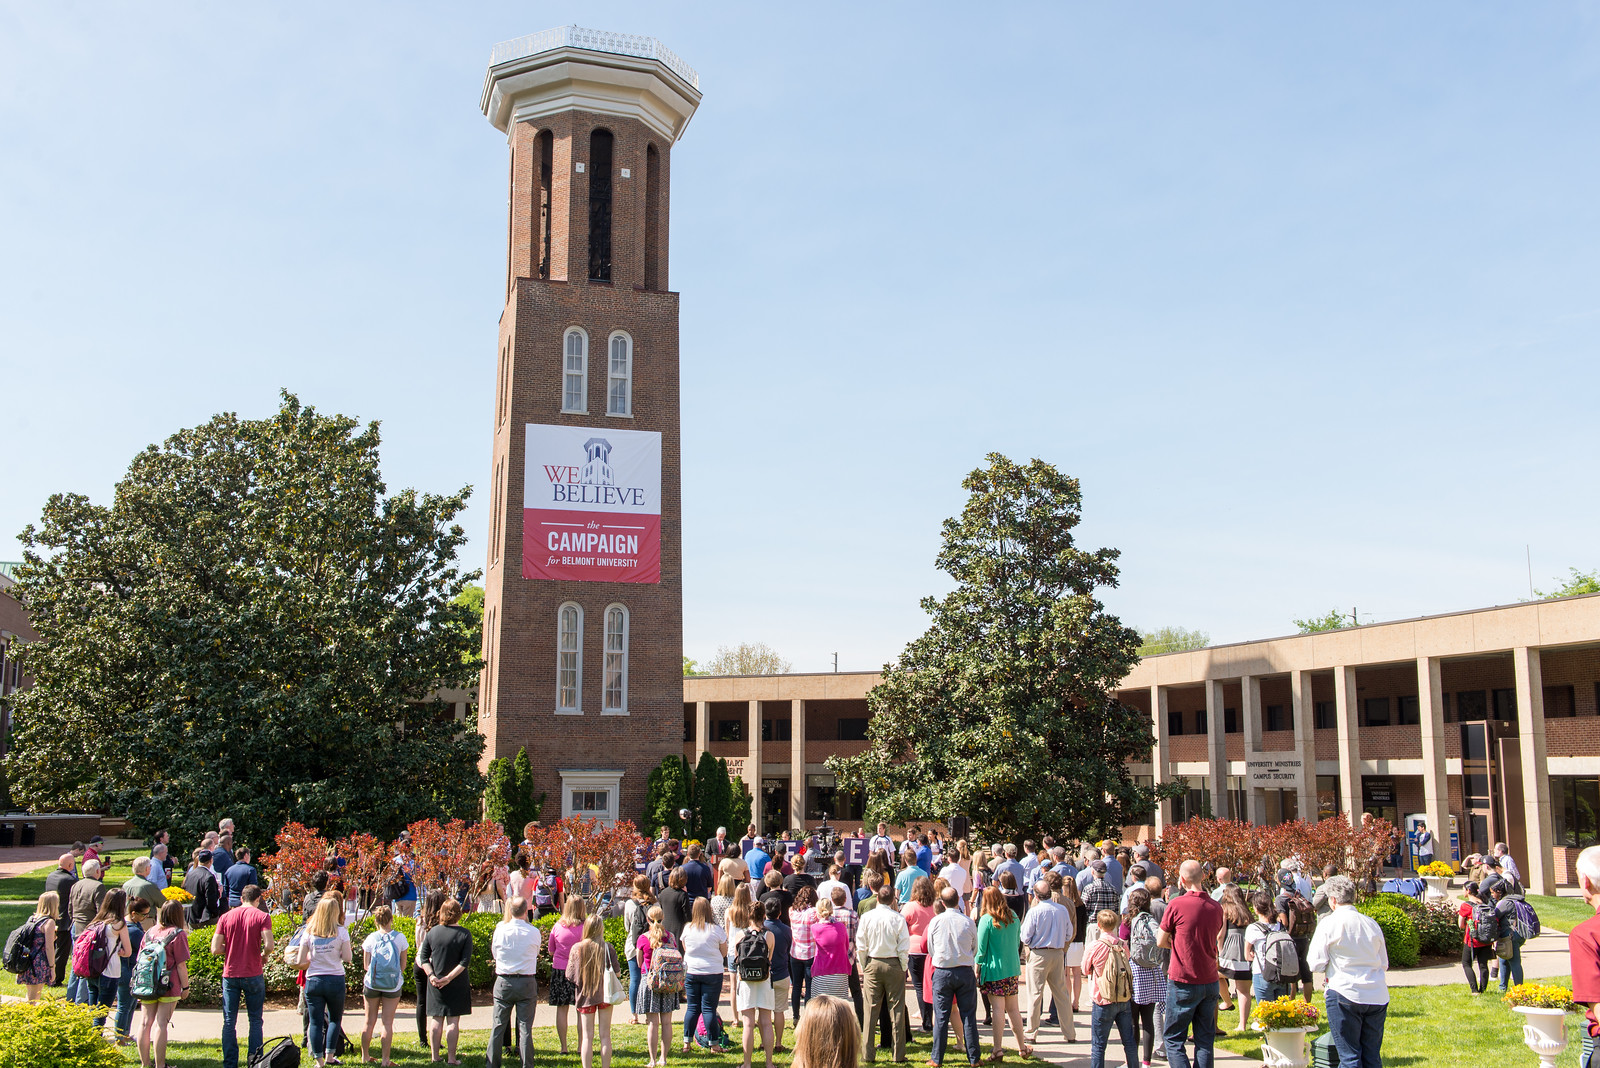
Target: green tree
{"points": [[740, 806], [527, 807], [667, 791], [1334, 620], [691, 667], [710, 797], [471, 599], [499, 797], [251, 628], [747, 658], [1580, 582], [1171, 640], [1004, 710]]}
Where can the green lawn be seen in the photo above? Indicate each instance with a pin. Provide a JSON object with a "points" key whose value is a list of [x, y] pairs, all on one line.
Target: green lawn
{"points": [[29, 886], [1441, 1027], [1561, 913]]}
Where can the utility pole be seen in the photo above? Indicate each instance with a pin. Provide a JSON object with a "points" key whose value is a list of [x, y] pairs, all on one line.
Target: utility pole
{"points": [[836, 663], [1529, 550]]}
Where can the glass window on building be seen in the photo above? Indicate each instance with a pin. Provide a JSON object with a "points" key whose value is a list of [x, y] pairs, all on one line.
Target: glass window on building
{"points": [[1230, 721], [777, 730], [1174, 721], [1278, 719], [852, 730], [1376, 711], [1407, 711], [1323, 718], [1505, 705], [1282, 805], [729, 730], [825, 801], [1327, 795], [1575, 804], [1471, 706], [1200, 721]]}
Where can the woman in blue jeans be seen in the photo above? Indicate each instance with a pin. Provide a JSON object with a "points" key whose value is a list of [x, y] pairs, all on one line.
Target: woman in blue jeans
{"points": [[323, 952], [705, 949], [1254, 936], [138, 920], [636, 921], [1505, 908]]}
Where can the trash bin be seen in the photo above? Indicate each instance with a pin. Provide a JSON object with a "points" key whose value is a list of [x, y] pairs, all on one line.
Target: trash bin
{"points": [[30, 831], [8, 836]]}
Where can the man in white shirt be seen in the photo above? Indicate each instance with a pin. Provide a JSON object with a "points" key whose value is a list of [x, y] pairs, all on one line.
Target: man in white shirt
{"points": [[952, 945], [825, 887], [883, 952], [515, 948], [1046, 931], [881, 840], [1349, 947], [1224, 881], [1507, 865]]}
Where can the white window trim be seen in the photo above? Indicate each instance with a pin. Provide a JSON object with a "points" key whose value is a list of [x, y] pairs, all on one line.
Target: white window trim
{"points": [[591, 779], [584, 374], [605, 652], [610, 378], [576, 710]]}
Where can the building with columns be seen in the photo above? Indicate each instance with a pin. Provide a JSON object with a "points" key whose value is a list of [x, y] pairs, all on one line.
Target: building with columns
{"points": [[1491, 717]]}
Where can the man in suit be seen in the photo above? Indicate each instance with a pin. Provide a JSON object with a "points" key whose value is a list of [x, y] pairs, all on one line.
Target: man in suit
{"points": [[201, 883], [62, 881], [719, 846]]}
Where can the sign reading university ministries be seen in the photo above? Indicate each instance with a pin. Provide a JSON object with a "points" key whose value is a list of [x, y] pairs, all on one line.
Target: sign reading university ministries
{"points": [[591, 507]]}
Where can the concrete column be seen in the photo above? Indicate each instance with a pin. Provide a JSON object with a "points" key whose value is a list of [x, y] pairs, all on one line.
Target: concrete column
{"points": [[1250, 709], [702, 731], [1539, 868], [1305, 743], [1344, 700], [1435, 784], [1216, 751], [1161, 755], [752, 768], [797, 764]]}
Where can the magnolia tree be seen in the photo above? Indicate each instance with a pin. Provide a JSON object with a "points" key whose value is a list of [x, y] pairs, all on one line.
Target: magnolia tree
{"points": [[1253, 852], [585, 847]]}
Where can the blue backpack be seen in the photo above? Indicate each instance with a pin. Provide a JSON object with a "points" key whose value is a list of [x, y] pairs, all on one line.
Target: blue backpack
{"points": [[385, 973]]}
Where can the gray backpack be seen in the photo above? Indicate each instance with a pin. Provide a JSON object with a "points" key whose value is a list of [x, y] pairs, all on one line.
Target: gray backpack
{"points": [[1280, 961]]}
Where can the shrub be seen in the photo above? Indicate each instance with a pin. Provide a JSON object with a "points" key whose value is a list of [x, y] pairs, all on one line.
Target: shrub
{"points": [[53, 1034], [1408, 905], [1438, 931], [1399, 933]]}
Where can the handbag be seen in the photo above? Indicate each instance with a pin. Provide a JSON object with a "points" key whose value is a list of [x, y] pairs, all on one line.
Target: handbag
{"points": [[616, 993], [1504, 947]]}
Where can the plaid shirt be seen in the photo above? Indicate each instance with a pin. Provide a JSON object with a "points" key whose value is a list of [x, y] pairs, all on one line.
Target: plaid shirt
{"points": [[1099, 894], [804, 947]]}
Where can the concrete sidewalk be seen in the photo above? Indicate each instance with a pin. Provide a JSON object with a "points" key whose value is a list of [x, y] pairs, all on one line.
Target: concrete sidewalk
{"points": [[20, 861]]}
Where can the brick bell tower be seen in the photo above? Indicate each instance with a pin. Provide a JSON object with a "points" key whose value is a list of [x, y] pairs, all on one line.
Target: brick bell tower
{"points": [[583, 614]]}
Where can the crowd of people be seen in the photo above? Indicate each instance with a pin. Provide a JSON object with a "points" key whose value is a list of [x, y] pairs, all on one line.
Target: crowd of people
{"points": [[927, 933]]}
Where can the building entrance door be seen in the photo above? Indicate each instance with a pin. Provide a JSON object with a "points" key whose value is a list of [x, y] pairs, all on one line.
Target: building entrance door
{"points": [[774, 806]]}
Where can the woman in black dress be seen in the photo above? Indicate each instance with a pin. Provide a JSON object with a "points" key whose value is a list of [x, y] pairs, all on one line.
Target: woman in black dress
{"points": [[446, 958]]}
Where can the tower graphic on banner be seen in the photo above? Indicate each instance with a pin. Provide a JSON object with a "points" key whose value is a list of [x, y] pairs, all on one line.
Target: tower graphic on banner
{"points": [[583, 606]]}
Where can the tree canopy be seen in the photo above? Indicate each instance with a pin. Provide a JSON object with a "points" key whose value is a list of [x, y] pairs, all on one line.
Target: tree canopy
{"points": [[1334, 620], [1579, 582], [746, 658], [1004, 710], [252, 629], [1171, 640]]}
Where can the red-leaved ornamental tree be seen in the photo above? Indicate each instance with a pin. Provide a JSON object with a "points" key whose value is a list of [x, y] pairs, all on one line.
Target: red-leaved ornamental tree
{"points": [[299, 853], [585, 847], [1253, 852], [368, 869]]}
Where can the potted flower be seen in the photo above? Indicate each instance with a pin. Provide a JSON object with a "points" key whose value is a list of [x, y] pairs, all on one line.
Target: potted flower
{"points": [[177, 893], [1284, 1024], [1437, 875], [1544, 1009]]}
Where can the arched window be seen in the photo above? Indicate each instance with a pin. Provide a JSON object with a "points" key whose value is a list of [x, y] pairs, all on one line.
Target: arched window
{"points": [[569, 658], [616, 689], [575, 372], [619, 394]]}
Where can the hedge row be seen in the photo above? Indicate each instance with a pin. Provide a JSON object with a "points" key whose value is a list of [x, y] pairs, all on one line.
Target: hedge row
{"points": [[205, 967]]}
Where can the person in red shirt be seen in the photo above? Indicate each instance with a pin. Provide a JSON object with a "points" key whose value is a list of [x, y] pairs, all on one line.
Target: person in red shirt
{"points": [[1472, 950], [244, 939], [1583, 945], [1189, 927]]}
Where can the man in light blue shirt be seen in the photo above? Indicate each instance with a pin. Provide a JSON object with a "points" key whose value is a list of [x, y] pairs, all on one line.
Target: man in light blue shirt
{"points": [[1018, 872], [757, 860], [158, 869], [1030, 862], [908, 875]]}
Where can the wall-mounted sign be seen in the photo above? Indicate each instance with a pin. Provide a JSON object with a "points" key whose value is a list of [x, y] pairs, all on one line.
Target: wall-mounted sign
{"points": [[1272, 770], [1377, 789], [591, 504]]}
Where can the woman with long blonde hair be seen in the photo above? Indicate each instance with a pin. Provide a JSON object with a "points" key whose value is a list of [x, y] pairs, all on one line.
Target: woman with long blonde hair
{"points": [[753, 998], [564, 937], [41, 945], [323, 953], [741, 900], [588, 965], [827, 1035], [655, 1006], [705, 957]]}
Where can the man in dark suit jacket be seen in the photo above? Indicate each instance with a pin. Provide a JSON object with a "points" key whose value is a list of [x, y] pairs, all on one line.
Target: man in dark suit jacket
{"points": [[62, 880], [719, 846], [201, 883]]}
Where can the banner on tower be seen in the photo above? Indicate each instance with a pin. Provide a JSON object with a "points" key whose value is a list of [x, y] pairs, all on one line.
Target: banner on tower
{"points": [[591, 508]]}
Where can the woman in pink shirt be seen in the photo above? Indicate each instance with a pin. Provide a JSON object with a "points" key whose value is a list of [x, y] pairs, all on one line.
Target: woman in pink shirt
{"points": [[567, 932], [917, 913], [830, 969]]}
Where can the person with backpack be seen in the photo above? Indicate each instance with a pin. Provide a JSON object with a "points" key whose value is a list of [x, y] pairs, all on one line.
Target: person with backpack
{"points": [[1189, 928], [31, 948], [1110, 976], [515, 949], [1266, 975], [322, 953], [161, 980], [1149, 963], [661, 985], [1231, 958], [87, 895], [999, 965], [636, 921], [1350, 949], [1508, 946], [1480, 926], [547, 897], [753, 946], [383, 964], [243, 939], [1298, 917], [139, 914], [99, 948]]}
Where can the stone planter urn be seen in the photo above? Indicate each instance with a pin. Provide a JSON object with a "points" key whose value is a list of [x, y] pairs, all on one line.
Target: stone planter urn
{"points": [[1436, 888], [1545, 1032], [1285, 1047]]}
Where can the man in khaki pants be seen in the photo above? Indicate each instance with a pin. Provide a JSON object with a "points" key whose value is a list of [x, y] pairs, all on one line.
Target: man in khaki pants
{"points": [[883, 951], [1046, 931]]}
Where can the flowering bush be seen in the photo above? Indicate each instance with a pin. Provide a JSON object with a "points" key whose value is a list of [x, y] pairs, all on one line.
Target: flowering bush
{"points": [[1284, 1013], [585, 845], [177, 893], [1437, 930], [1538, 996], [1437, 869]]}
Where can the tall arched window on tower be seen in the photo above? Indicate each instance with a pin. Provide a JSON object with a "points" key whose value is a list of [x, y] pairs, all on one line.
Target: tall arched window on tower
{"points": [[616, 688], [575, 372], [619, 394], [569, 658], [600, 206]]}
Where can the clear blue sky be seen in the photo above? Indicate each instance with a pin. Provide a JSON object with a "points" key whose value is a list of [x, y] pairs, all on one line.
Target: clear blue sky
{"points": [[1307, 298]]}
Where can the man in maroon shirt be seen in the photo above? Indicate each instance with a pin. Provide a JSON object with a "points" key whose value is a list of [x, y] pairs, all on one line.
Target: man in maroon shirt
{"points": [[243, 938], [1189, 927], [1583, 945]]}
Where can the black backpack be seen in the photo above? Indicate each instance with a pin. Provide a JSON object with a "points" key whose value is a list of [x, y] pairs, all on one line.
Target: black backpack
{"points": [[19, 948], [280, 1054], [750, 956]]}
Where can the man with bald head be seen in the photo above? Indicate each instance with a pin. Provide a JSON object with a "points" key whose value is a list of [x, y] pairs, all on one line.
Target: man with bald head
{"points": [[61, 881], [1189, 927]]}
